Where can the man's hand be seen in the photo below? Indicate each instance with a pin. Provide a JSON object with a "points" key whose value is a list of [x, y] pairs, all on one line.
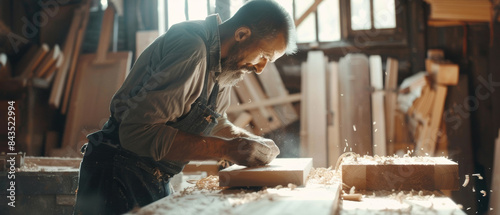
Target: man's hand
{"points": [[251, 151]]}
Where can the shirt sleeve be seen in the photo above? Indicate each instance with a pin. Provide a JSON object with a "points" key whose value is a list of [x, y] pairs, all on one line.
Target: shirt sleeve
{"points": [[173, 80]]}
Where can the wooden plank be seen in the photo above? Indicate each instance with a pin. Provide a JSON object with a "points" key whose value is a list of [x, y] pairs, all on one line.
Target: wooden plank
{"points": [[334, 146], [281, 171], [445, 73], [68, 47], [49, 76], [387, 173], [304, 145], [48, 62], [391, 82], [309, 10], [378, 111], [264, 118], [355, 106], [428, 143], [318, 200], [35, 60], [495, 184], [96, 82], [274, 88], [243, 120], [75, 56], [316, 108]]}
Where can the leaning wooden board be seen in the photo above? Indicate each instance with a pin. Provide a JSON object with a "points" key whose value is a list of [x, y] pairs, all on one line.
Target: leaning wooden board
{"points": [[417, 173], [98, 77], [281, 171]]}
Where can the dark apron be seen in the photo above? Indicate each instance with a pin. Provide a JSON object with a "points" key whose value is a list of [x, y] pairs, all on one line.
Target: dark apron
{"points": [[113, 180]]}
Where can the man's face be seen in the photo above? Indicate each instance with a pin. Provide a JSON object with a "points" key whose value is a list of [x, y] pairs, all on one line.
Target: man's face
{"points": [[248, 56]]}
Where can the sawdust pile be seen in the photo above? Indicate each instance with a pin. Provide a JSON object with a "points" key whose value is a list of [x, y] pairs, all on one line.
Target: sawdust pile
{"points": [[208, 183], [326, 176], [395, 159]]}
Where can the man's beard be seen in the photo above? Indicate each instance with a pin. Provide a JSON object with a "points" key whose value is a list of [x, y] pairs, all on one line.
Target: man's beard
{"points": [[231, 74]]}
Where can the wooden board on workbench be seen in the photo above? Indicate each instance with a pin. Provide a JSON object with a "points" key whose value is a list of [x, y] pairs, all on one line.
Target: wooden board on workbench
{"points": [[280, 171], [423, 173]]}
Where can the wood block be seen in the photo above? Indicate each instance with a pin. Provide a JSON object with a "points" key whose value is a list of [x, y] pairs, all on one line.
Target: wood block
{"points": [[407, 173], [280, 171], [316, 108], [274, 88], [445, 73], [378, 111]]}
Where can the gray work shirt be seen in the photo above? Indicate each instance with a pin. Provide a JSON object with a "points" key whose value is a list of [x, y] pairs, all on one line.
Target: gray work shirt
{"points": [[163, 83]]}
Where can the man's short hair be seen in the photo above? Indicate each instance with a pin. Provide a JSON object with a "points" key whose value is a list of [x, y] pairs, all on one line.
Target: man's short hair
{"points": [[266, 19]]}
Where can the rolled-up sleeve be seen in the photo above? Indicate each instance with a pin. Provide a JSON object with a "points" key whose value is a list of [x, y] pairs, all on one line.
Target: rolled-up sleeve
{"points": [[158, 91]]}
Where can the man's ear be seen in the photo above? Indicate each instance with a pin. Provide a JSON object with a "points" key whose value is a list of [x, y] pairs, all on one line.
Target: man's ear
{"points": [[242, 33]]}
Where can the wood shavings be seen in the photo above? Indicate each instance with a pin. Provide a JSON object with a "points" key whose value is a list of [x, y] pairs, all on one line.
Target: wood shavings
{"points": [[326, 176], [483, 192], [352, 190], [384, 160], [478, 175], [466, 182], [352, 197], [292, 186], [243, 198], [208, 183]]}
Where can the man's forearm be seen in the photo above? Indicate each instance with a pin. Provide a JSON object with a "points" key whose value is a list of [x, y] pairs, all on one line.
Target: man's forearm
{"points": [[186, 147]]}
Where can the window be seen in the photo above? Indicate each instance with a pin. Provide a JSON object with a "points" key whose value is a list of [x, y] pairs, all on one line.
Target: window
{"points": [[333, 20]]}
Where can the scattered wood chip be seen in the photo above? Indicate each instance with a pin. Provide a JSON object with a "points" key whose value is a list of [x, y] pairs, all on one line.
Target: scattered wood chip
{"points": [[478, 175], [352, 197], [466, 182]]}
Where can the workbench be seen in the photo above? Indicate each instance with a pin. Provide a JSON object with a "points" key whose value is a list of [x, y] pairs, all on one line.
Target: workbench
{"points": [[310, 199]]}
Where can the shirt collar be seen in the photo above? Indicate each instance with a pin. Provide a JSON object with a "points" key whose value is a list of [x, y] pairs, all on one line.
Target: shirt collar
{"points": [[213, 40]]}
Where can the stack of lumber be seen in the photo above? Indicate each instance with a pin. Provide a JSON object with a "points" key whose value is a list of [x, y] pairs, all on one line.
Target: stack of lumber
{"points": [[461, 10], [426, 112], [261, 102], [97, 78], [346, 106]]}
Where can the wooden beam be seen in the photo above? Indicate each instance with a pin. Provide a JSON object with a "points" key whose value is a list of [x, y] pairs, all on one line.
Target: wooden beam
{"points": [[391, 84], [281, 171], [274, 88], [309, 10], [334, 146], [316, 108]]}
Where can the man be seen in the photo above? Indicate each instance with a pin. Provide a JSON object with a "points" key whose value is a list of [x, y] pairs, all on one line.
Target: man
{"points": [[171, 108]]}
